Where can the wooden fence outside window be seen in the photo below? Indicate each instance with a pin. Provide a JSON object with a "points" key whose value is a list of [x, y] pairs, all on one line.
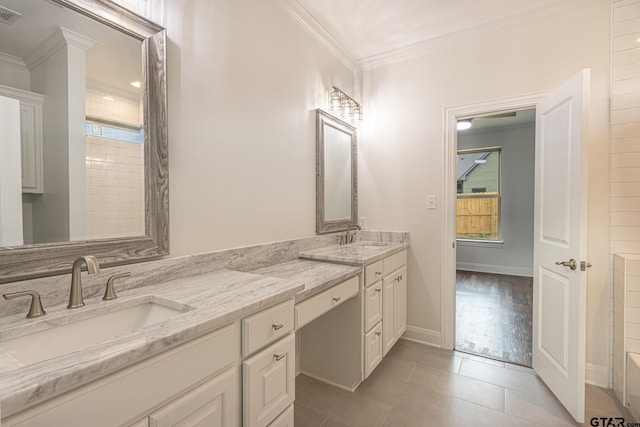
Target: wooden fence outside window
{"points": [[477, 216]]}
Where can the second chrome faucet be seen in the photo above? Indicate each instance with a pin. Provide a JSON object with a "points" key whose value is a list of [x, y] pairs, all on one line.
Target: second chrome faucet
{"points": [[75, 295]]}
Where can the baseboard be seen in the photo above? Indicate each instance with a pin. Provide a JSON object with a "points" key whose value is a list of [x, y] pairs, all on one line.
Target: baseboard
{"points": [[495, 269], [422, 336], [597, 375], [331, 383]]}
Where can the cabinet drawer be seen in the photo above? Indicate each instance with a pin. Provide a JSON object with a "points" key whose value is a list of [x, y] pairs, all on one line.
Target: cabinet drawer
{"points": [[372, 306], [372, 349], [211, 404], [268, 383], [394, 262], [372, 273], [266, 327], [285, 419], [316, 306]]}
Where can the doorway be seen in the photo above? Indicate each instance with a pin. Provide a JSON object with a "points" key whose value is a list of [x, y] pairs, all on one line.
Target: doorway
{"points": [[495, 174]]}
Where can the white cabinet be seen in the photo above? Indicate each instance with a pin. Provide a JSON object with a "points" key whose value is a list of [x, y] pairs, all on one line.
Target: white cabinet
{"points": [[372, 349], [268, 383], [372, 306], [212, 404], [317, 305], [135, 392], [285, 419], [30, 137], [385, 291], [394, 307]]}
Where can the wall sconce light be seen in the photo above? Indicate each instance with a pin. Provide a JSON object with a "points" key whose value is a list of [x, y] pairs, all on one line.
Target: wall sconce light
{"points": [[344, 106]]}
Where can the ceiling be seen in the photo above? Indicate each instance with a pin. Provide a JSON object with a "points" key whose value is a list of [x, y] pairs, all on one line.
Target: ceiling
{"points": [[112, 63], [366, 29], [501, 120]]}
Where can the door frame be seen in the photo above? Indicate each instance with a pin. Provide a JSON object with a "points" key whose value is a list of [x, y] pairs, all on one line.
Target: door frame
{"points": [[451, 116]]}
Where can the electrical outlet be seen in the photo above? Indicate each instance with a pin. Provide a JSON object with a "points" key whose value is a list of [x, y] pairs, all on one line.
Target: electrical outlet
{"points": [[362, 222]]}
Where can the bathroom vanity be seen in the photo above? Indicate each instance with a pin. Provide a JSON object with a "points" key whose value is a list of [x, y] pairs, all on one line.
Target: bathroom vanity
{"points": [[216, 346]]}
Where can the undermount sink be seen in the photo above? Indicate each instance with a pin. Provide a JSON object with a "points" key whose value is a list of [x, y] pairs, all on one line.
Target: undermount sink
{"points": [[371, 245], [76, 330]]}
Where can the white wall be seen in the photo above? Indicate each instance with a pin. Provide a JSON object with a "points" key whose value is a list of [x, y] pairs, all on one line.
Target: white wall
{"points": [[13, 72], [244, 80], [515, 255], [401, 144]]}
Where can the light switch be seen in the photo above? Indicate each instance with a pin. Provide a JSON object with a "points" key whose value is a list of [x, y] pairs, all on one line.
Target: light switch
{"points": [[431, 202]]}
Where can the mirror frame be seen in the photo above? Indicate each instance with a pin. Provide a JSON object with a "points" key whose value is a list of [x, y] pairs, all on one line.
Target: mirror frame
{"points": [[48, 259], [324, 226]]}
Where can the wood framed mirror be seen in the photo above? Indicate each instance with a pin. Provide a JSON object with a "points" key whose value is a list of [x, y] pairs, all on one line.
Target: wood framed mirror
{"points": [[336, 174], [46, 256]]}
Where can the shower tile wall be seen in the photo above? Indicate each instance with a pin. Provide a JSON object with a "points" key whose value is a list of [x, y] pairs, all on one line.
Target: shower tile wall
{"points": [[115, 173]]}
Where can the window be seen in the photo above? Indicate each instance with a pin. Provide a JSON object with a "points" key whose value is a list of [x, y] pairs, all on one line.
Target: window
{"points": [[478, 204]]}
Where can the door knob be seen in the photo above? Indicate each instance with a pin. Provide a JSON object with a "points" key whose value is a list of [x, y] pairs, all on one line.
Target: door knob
{"points": [[572, 263]]}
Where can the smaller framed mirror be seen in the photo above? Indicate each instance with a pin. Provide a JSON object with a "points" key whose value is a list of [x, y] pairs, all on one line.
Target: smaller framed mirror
{"points": [[336, 174]]}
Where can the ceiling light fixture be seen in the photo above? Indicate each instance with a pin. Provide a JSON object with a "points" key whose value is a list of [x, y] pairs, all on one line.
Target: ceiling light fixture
{"points": [[463, 124], [344, 106]]}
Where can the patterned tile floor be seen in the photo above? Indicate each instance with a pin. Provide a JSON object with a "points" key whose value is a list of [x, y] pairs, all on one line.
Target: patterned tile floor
{"points": [[419, 385]]}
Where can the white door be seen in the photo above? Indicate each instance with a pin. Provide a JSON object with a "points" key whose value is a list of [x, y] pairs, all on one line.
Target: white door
{"points": [[560, 234]]}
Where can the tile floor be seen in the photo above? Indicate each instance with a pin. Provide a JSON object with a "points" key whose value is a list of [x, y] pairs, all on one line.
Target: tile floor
{"points": [[419, 385]]}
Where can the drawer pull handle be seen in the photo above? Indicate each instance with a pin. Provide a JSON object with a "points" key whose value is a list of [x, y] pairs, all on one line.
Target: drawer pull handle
{"points": [[378, 334], [378, 290], [279, 357], [378, 273], [278, 326], [336, 299]]}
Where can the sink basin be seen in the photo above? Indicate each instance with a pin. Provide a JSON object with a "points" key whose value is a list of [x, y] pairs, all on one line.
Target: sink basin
{"points": [[371, 245], [77, 330]]}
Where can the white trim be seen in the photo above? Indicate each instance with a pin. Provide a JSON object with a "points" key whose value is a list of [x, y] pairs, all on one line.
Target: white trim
{"points": [[422, 336], [448, 41], [597, 375], [324, 380], [60, 38], [495, 269], [317, 31], [10, 59], [450, 135], [480, 243]]}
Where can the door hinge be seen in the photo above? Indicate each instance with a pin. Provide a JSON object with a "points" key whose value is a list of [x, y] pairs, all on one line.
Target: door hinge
{"points": [[453, 245], [584, 265]]}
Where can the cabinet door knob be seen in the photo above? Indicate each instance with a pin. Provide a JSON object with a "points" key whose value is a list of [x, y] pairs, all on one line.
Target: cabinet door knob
{"points": [[378, 333], [336, 299], [279, 357], [378, 290], [278, 326]]}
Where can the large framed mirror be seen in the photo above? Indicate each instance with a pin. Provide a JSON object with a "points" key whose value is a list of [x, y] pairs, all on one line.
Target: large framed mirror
{"points": [[336, 174], [90, 80]]}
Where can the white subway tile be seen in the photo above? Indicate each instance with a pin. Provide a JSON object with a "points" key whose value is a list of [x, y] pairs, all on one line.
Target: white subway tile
{"points": [[629, 100], [626, 27], [627, 41], [625, 145], [625, 174], [632, 299], [619, 246], [625, 218], [623, 57], [628, 115], [625, 189], [626, 86], [622, 13], [622, 233]]}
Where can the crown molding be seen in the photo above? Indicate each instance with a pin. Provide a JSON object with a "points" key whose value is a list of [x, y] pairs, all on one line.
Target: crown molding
{"points": [[60, 38], [10, 59], [453, 39], [317, 31]]}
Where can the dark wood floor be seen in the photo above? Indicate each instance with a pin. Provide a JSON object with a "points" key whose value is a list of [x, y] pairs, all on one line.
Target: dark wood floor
{"points": [[494, 316]]}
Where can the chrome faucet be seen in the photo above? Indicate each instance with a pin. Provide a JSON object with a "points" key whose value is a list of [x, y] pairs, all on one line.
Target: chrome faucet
{"points": [[75, 296], [348, 237]]}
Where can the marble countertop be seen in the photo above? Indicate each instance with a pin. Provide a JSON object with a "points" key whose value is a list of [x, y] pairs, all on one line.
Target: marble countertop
{"points": [[215, 299], [316, 276], [358, 253]]}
